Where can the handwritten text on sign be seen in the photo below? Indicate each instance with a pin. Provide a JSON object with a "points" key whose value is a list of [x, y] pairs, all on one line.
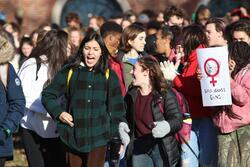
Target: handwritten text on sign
{"points": [[215, 82]]}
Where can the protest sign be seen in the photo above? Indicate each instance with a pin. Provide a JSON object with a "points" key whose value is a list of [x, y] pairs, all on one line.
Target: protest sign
{"points": [[215, 82]]}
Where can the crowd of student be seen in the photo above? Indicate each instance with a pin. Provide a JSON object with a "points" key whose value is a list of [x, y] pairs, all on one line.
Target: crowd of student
{"points": [[72, 90]]}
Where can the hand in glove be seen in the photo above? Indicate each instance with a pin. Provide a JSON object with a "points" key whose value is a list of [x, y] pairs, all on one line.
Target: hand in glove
{"points": [[161, 129], [168, 70], [123, 131]]}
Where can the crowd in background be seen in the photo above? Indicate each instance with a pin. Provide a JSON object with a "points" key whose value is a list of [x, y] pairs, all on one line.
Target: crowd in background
{"points": [[86, 85]]}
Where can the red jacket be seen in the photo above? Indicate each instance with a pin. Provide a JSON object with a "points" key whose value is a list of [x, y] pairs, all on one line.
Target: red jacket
{"points": [[117, 67], [188, 84]]}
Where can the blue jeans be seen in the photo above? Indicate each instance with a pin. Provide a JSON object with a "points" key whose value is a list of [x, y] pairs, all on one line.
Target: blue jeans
{"points": [[152, 158], [206, 135], [188, 158]]}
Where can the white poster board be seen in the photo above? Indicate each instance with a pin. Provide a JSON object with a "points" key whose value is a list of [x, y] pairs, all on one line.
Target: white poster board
{"points": [[215, 82]]}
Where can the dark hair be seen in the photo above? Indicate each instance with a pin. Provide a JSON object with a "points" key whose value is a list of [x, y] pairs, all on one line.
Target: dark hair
{"points": [[243, 25], [167, 33], [72, 17], [157, 79], [153, 24], [177, 34], [54, 46], [172, 11], [240, 53], [202, 11], [24, 40], [55, 26], [130, 33], [150, 46], [102, 64], [194, 36], [110, 27]]}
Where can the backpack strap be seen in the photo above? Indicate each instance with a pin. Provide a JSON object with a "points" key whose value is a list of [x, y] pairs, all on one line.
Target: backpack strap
{"points": [[4, 74], [185, 141], [68, 79], [107, 74]]}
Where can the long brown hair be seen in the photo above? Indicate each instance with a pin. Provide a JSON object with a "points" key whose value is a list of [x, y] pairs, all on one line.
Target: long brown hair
{"points": [[193, 35], [54, 46], [157, 79]]}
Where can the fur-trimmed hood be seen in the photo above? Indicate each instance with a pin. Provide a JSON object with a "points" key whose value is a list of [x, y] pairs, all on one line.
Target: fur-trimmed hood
{"points": [[6, 50]]}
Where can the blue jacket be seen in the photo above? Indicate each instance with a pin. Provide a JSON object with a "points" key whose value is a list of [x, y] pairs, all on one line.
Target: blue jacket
{"points": [[12, 103]]}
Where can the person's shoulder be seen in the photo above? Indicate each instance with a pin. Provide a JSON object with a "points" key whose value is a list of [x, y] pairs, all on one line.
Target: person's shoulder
{"points": [[169, 93], [28, 62]]}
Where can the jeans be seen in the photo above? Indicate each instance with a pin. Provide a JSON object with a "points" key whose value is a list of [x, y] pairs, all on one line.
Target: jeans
{"points": [[152, 158], [188, 158], [122, 163], [206, 135]]}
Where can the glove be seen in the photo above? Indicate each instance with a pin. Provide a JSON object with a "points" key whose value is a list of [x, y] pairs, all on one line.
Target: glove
{"points": [[123, 131], [161, 129], [168, 70]]}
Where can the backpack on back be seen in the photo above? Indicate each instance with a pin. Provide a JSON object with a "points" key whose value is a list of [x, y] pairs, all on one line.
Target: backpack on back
{"points": [[187, 121]]}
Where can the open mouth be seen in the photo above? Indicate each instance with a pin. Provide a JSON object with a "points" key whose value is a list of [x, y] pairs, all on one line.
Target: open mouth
{"points": [[90, 59]]}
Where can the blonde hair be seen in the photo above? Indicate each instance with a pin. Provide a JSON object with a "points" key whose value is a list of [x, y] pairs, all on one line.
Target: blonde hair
{"points": [[7, 50]]}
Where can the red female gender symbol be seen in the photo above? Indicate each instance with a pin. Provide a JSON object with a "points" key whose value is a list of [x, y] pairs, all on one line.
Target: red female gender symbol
{"points": [[210, 70]]}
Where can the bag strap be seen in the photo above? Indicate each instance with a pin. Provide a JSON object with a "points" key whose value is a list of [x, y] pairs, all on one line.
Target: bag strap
{"points": [[68, 79], [4, 74], [185, 141]]}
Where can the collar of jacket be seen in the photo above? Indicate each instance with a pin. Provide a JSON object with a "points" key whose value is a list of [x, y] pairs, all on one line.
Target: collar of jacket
{"points": [[157, 97]]}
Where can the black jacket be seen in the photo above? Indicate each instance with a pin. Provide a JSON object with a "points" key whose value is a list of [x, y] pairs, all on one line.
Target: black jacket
{"points": [[172, 115]]}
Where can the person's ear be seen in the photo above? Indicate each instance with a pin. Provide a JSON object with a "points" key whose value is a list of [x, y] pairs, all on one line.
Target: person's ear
{"points": [[111, 38], [130, 42], [220, 34], [146, 72]]}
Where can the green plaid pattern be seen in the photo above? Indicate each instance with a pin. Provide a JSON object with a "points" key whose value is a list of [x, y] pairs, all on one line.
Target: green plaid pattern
{"points": [[94, 125]]}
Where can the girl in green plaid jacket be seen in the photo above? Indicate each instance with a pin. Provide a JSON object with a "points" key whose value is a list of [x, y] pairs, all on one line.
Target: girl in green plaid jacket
{"points": [[94, 104]]}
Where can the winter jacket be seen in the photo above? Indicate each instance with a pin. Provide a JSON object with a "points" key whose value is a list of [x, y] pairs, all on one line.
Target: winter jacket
{"points": [[188, 84], [172, 115], [117, 67], [127, 67], [12, 102], [36, 117], [96, 113], [240, 90]]}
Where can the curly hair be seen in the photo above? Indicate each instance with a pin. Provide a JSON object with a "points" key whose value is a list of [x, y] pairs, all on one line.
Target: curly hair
{"points": [[173, 11]]}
